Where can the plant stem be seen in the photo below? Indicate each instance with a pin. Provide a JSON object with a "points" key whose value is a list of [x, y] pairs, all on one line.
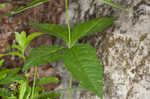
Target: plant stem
{"points": [[69, 45], [34, 80], [70, 86], [67, 15]]}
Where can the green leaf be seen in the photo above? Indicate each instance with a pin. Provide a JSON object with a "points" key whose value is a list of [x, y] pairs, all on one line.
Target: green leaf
{"points": [[22, 89], [43, 55], [8, 76], [1, 55], [5, 92], [11, 97], [36, 92], [21, 39], [82, 62], [16, 54], [28, 92], [53, 29], [1, 62], [3, 76], [23, 8], [47, 80], [24, 41], [90, 27], [109, 2], [11, 79], [14, 46], [49, 95], [30, 38], [13, 53], [9, 71]]}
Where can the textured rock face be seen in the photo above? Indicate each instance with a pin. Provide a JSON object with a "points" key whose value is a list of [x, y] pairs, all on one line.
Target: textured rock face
{"points": [[124, 49]]}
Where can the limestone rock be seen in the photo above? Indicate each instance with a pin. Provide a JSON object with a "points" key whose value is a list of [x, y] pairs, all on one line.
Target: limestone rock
{"points": [[123, 49]]}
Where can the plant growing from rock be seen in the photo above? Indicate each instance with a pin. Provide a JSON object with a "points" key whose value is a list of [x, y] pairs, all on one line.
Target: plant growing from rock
{"points": [[80, 59]]}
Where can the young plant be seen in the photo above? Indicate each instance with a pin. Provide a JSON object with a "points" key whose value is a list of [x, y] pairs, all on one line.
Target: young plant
{"points": [[80, 59], [8, 77], [12, 77], [25, 91]]}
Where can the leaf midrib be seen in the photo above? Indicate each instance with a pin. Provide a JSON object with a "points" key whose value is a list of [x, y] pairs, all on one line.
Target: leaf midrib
{"points": [[89, 29], [93, 26], [50, 53], [73, 52], [42, 56]]}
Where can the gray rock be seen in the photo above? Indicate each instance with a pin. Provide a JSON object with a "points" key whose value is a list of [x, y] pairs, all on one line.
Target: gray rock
{"points": [[123, 49]]}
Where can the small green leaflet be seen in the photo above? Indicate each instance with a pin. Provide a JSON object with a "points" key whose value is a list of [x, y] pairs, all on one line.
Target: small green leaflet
{"points": [[20, 38], [11, 78], [30, 38], [9, 71], [53, 29], [24, 41], [3, 76], [5, 92], [47, 80], [1, 62], [49, 95], [82, 62], [14, 46], [43, 55], [1, 55], [13, 53], [8, 76]]}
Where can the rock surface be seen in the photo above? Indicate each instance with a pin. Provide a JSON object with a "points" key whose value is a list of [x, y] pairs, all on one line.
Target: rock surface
{"points": [[124, 48]]}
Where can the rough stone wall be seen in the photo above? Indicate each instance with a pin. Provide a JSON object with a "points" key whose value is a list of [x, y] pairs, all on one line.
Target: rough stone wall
{"points": [[124, 49]]}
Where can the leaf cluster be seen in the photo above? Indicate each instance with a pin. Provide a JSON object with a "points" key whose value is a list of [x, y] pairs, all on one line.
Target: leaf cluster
{"points": [[16, 80], [80, 59], [25, 91]]}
